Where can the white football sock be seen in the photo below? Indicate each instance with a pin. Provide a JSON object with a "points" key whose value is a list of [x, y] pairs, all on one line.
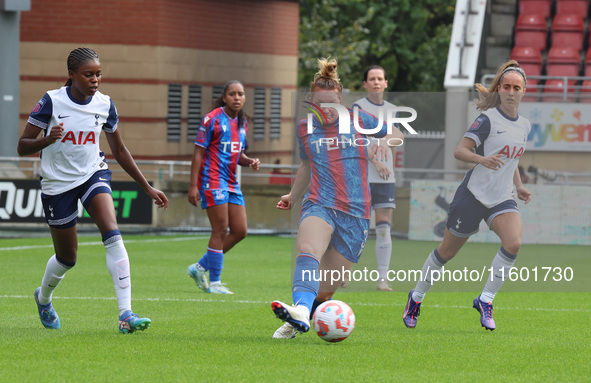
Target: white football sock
{"points": [[54, 273], [501, 265], [433, 263], [383, 249], [118, 265]]}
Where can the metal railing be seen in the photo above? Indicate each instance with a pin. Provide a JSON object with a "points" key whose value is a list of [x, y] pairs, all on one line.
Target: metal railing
{"points": [[573, 87], [158, 169], [29, 167]]}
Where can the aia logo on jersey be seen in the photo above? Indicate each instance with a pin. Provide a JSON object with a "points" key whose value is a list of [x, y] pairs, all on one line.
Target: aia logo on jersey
{"points": [[39, 105], [512, 154], [82, 139]]}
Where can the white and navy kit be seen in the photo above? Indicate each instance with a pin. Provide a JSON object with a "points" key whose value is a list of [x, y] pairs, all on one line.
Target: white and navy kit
{"points": [[74, 167], [382, 191], [71, 161], [485, 193]]}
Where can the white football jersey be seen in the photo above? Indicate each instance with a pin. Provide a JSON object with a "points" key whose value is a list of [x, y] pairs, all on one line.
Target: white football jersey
{"points": [[370, 107], [496, 133], [71, 161]]}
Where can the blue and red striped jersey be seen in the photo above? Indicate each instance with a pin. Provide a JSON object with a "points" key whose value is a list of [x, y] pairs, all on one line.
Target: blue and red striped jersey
{"points": [[339, 164], [223, 141]]}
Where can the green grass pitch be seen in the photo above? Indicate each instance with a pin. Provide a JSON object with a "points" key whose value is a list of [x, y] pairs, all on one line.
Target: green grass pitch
{"points": [[198, 337]]}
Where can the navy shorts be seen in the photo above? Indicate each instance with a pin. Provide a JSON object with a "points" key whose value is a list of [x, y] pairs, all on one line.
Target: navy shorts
{"points": [[466, 212], [349, 233], [61, 210], [383, 195], [219, 197]]}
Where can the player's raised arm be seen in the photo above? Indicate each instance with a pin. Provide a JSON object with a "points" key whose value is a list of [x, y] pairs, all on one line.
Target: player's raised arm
{"points": [[30, 143]]}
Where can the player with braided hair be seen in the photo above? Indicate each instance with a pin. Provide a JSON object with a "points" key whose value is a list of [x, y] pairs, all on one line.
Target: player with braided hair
{"points": [[70, 120], [77, 57]]}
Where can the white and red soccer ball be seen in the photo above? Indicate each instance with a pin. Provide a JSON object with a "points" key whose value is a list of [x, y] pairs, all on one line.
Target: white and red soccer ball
{"points": [[333, 321]]}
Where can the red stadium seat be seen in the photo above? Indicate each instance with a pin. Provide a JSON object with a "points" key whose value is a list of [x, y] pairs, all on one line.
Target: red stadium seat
{"points": [[585, 95], [530, 59], [554, 91], [588, 63], [531, 31], [573, 7], [568, 31], [532, 93], [563, 62], [535, 7]]}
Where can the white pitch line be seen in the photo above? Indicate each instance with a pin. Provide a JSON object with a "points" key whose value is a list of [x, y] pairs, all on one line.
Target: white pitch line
{"points": [[100, 243], [143, 299], [268, 302]]}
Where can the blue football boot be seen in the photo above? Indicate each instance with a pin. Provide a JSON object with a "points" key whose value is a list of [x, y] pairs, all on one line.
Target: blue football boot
{"points": [[47, 313]]}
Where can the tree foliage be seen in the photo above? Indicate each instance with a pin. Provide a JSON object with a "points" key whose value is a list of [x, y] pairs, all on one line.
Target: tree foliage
{"points": [[409, 38]]}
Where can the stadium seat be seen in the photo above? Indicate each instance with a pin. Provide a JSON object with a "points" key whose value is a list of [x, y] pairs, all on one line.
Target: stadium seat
{"points": [[563, 62], [531, 31], [585, 95], [573, 7], [554, 91], [535, 7], [530, 59], [532, 93], [588, 63], [568, 31]]}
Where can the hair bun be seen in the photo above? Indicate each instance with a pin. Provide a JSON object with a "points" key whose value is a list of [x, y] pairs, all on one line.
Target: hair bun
{"points": [[327, 68]]}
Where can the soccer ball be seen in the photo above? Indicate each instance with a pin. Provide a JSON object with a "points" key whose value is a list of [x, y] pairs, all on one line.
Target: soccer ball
{"points": [[333, 321]]}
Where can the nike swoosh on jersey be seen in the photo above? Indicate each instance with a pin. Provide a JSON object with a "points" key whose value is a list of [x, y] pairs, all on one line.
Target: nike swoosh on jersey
{"points": [[102, 179], [60, 116], [501, 131]]}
